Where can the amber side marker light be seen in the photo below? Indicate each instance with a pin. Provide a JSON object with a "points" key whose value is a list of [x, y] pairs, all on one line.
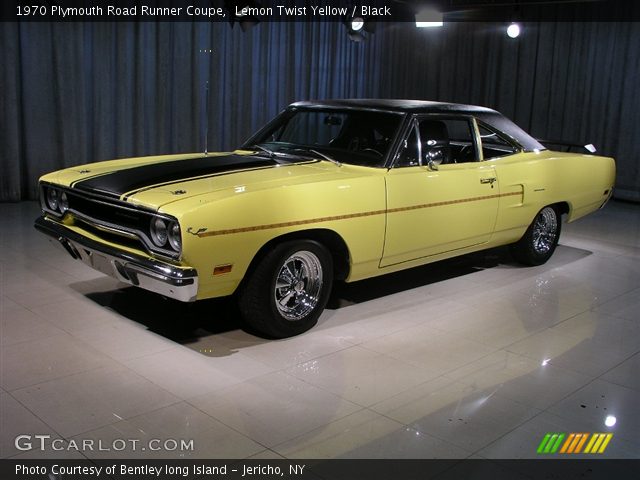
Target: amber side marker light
{"points": [[221, 269]]}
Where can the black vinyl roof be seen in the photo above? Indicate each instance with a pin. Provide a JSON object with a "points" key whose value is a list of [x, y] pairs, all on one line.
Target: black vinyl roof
{"points": [[415, 106], [487, 115]]}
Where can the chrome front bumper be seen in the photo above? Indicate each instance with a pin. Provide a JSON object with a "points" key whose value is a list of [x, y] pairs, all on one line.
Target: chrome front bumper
{"points": [[156, 276]]}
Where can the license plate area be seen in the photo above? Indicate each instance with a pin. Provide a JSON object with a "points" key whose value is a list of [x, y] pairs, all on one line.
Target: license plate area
{"points": [[102, 264]]}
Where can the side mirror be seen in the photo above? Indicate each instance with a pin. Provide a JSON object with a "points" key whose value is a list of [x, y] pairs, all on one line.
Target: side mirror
{"points": [[433, 158]]}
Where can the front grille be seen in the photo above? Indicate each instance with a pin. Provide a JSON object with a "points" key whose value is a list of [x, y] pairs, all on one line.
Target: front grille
{"points": [[113, 220], [110, 214], [110, 236]]}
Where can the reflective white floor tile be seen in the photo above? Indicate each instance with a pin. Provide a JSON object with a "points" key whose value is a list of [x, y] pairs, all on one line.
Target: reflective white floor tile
{"points": [[63, 451], [476, 419], [432, 351], [598, 246], [402, 339], [186, 373], [386, 303], [422, 400], [490, 325], [408, 443], [614, 333], [520, 379], [351, 326], [539, 311], [626, 306], [123, 340], [360, 375], [33, 362], [274, 408], [577, 351], [366, 434], [32, 276], [625, 374], [624, 267], [178, 431], [596, 404], [72, 316], [100, 284], [46, 295], [19, 325], [266, 454], [450, 289], [6, 304], [17, 420], [277, 354], [85, 401], [341, 437], [568, 292]]}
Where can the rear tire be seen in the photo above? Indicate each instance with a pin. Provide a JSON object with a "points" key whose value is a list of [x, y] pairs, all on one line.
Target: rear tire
{"points": [[541, 238], [288, 290]]}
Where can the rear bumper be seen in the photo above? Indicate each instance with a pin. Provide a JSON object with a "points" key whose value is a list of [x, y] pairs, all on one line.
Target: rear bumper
{"points": [[179, 283]]}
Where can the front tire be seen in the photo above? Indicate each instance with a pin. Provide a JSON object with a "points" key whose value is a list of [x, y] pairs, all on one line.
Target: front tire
{"points": [[288, 290], [541, 238]]}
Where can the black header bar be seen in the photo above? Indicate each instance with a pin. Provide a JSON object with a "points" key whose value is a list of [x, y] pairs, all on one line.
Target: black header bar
{"points": [[592, 469], [316, 10]]}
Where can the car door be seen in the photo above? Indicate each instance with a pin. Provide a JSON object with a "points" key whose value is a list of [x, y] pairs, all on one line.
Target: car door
{"points": [[440, 197]]}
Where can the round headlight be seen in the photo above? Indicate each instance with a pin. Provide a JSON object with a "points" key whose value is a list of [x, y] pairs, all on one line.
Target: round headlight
{"points": [[159, 232], [52, 198], [174, 236], [64, 202]]}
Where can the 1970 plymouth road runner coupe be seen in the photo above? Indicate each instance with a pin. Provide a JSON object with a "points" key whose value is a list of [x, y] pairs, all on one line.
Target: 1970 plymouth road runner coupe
{"points": [[342, 189]]}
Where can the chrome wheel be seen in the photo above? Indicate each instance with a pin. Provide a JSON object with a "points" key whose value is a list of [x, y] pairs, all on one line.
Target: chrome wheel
{"points": [[298, 285], [545, 230]]}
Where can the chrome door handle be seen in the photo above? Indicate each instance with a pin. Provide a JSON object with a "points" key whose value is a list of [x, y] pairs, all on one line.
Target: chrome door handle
{"points": [[488, 180]]}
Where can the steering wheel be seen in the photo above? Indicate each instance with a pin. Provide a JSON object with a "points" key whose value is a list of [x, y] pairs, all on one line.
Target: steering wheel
{"points": [[372, 150], [465, 154]]}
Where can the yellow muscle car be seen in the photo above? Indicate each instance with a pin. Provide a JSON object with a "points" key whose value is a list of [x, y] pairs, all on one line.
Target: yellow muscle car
{"points": [[342, 189]]}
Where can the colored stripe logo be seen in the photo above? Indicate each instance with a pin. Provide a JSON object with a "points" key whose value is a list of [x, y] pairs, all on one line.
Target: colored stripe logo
{"points": [[574, 443]]}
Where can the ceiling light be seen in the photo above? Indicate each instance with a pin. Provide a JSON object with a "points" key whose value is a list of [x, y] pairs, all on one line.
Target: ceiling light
{"points": [[429, 17], [513, 30], [356, 28]]}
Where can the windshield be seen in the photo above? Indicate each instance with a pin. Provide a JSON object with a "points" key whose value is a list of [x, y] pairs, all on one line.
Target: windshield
{"points": [[343, 136]]}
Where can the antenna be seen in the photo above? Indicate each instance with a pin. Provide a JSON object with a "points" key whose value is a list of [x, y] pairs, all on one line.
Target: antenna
{"points": [[206, 118]]}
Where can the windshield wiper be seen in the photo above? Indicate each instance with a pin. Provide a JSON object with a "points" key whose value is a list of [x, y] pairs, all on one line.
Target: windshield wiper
{"points": [[272, 155], [320, 154]]}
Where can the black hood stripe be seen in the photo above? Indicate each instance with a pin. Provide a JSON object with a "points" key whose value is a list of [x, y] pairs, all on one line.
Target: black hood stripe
{"points": [[132, 179]]}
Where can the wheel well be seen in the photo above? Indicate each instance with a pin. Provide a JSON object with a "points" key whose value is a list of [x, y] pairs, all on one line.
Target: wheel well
{"points": [[563, 207], [328, 238]]}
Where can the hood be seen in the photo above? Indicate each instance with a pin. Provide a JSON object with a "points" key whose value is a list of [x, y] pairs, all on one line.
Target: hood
{"points": [[156, 181], [126, 182]]}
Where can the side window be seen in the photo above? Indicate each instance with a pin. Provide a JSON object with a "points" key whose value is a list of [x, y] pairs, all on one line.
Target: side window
{"points": [[447, 140], [494, 145], [409, 156]]}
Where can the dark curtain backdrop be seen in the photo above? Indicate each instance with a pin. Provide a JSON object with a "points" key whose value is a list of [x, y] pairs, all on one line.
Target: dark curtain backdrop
{"points": [[572, 81], [72, 93]]}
